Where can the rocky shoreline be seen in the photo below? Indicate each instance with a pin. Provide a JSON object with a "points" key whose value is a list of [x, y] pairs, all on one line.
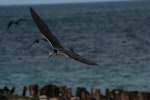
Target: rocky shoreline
{"points": [[54, 92]]}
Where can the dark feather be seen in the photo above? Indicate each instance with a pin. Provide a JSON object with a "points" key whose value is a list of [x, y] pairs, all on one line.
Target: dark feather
{"points": [[79, 58], [45, 30], [37, 41], [15, 22]]}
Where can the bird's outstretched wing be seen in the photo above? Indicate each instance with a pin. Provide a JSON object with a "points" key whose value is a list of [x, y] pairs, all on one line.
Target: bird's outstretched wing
{"points": [[77, 57], [45, 30], [34, 42], [9, 24], [20, 20], [37, 41], [15, 22]]}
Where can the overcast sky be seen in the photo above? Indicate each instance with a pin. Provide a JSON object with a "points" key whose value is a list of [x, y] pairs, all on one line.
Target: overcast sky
{"points": [[12, 2]]}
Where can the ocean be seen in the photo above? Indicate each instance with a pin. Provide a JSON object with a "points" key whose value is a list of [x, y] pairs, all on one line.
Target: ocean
{"points": [[116, 35]]}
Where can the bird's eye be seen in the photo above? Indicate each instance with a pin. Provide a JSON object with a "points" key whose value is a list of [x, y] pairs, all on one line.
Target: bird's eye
{"points": [[55, 50]]}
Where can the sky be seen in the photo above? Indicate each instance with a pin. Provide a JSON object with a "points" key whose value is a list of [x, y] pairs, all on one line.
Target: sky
{"points": [[18, 2]]}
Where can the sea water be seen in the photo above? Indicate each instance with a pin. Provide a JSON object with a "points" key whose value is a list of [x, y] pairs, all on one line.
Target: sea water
{"points": [[116, 35]]}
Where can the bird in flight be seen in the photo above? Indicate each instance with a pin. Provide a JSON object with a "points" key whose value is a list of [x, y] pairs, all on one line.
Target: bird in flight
{"points": [[15, 22], [37, 41], [57, 48]]}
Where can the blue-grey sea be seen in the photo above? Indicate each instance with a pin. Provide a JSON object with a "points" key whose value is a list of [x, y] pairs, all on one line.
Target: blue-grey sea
{"points": [[116, 35]]}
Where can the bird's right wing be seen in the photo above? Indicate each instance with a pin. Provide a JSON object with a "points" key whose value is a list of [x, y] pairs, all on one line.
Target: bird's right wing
{"points": [[77, 57], [45, 30], [9, 24], [22, 20]]}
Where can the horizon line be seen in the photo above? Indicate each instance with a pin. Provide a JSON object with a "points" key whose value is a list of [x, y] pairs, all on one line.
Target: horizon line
{"points": [[65, 3]]}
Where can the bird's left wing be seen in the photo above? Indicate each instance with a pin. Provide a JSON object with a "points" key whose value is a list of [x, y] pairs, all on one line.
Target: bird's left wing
{"points": [[77, 57], [45, 30]]}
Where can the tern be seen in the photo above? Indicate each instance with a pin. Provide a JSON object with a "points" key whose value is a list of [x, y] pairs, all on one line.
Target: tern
{"points": [[57, 48], [37, 41], [15, 22]]}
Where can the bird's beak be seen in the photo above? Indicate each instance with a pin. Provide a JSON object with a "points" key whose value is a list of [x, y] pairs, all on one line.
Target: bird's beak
{"points": [[50, 54]]}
